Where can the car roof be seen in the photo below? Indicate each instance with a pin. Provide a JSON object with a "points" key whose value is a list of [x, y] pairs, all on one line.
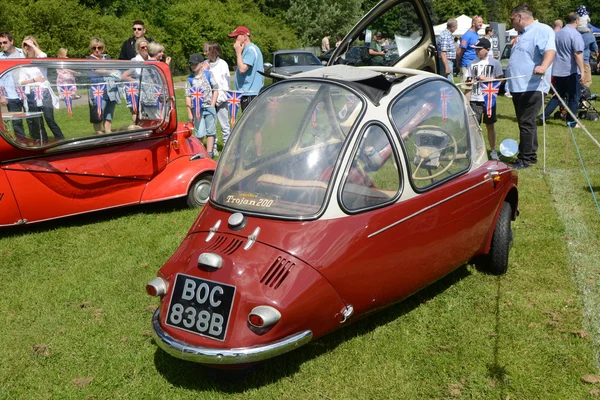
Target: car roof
{"points": [[292, 52]]}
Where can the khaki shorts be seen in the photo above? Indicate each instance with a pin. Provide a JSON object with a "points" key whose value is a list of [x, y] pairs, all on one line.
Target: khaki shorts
{"points": [[464, 74]]}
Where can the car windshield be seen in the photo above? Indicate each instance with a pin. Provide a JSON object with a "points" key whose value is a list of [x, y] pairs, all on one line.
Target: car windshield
{"points": [[282, 157], [293, 59]]}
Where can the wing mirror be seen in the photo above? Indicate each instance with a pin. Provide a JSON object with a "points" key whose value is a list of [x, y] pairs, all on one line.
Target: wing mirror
{"points": [[268, 67]]}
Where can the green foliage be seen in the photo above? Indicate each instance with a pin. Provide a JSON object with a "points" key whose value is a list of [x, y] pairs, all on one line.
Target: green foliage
{"points": [[454, 8], [313, 19]]}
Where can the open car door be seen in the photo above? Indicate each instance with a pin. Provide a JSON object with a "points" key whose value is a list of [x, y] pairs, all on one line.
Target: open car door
{"points": [[407, 37]]}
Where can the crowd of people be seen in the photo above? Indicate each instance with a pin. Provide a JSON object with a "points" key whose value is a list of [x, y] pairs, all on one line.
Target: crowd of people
{"points": [[539, 55], [210, 77]]}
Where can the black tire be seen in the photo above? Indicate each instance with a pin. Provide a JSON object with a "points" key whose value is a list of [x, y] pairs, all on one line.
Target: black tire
{"points": [[199, 191], [496, 261], [582, 115], [592, 116]]}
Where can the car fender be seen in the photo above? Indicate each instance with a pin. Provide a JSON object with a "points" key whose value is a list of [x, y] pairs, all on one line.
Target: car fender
{"points": [[512, 197], [176, 178]]}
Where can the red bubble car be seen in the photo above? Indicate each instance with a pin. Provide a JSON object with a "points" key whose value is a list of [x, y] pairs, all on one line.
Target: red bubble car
{"points": [[92, 135], [341, 191]]}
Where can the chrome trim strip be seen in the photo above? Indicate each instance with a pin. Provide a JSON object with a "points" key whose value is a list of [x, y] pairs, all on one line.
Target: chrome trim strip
{"points": [[244, 355], [428, 208]]}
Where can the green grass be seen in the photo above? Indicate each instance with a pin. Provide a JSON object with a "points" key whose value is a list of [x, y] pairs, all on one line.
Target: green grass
{"points": [[76, 319]]}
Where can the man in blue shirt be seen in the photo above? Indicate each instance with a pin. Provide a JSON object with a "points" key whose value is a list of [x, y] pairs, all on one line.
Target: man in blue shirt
{"points": [[530, 59], [9, 95], [249, 61], [466, 54], [567, 68], [447, 49]]}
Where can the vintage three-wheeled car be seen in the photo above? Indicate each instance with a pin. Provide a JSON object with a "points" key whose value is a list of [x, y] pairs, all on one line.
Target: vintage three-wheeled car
{"points": [[105, 137], [341, 191]]}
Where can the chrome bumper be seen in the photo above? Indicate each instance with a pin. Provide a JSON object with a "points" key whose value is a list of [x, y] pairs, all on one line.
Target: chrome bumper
{"points": [[207, 355]]}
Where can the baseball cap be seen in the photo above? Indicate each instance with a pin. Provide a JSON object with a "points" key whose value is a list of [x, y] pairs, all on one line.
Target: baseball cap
{"points": [[483, 43], [196, 58], [240, 30]]}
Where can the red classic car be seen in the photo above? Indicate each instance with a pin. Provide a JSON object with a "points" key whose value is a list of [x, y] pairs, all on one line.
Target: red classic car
{"points": [[112, 139], [341, 191]]}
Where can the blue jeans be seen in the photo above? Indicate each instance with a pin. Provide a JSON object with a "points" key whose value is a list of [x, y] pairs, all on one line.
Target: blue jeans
{"points": [[450, 76], [206, 125], [16, 105], [569, 88]]}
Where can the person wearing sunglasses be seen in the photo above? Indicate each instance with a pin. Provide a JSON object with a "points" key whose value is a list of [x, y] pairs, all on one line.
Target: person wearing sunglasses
{"points": [[128, 49], [12, 101], [109, 99], [35, 81]]}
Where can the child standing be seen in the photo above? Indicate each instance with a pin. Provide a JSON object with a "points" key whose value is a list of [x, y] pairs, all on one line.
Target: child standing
{"points": [[204, 119], [484, 68]]}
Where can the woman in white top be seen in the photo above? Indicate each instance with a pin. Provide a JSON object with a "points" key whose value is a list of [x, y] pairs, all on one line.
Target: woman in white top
{"points": [[220, 71], [40, 96]]}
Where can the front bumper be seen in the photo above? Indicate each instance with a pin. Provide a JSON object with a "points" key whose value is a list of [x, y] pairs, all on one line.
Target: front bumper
{"points": [[244, 355]]}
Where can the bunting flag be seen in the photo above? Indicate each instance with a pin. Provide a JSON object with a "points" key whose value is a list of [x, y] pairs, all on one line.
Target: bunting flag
{"points": [[132, 93], [98, 93], [273, 105], [445, 98], [67, 92], [2, 91], [490, 92], [21, 92], [197, 95], [158, 95], [38, 92], [234, 101], [315, 115]]}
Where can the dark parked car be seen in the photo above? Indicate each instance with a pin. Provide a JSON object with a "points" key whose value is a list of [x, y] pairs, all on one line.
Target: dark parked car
{"points": [[287, 63], [351, 57]]}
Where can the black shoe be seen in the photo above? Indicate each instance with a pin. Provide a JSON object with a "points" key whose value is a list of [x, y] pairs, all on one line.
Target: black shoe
{"points": [[520, 164]]}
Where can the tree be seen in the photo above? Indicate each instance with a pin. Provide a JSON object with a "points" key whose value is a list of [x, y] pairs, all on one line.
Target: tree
{"points": [[313, 19]]}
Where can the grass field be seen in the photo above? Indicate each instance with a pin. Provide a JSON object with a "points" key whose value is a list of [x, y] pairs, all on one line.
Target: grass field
{"points": [[76, 318]]}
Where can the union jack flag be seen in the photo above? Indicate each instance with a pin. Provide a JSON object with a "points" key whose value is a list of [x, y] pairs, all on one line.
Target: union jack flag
{"points": [[38, 91], [490, 92], [445, 98], [350, 99], [67, 92], [315, 114], [98, 93], [197, 95], [132, 93], [273, 105], [21, 92], [158, 95], [234, 101]]}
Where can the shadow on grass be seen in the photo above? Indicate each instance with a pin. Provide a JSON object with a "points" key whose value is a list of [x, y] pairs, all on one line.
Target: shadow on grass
{"points": [[93, 217], [496, 371], [197, 377]]}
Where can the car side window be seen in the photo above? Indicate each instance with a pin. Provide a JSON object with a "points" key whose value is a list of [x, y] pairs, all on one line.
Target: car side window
{"points": [[431, 122], [76, 102], [401, 29], [373, 178]]}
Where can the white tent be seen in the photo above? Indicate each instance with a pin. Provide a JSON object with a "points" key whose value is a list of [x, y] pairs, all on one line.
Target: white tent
{"points": [[512, 33], [464, 24]]}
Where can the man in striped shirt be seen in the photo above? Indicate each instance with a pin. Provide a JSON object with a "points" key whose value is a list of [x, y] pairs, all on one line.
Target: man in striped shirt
{"points": [[447, 49]]}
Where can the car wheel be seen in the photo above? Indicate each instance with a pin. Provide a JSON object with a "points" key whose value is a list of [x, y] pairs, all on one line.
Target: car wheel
{"points": [[199, 191], [496, 262]]}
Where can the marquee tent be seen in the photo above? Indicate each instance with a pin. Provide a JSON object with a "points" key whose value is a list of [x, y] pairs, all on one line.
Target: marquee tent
{"points": [[464, 24]]}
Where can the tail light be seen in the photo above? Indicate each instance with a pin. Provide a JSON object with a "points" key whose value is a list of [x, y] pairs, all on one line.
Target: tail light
{"points": [[157, 287], [263, 317]]}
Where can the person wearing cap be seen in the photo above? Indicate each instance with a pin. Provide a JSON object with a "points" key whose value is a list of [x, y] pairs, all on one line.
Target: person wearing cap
{"points": [[249, 62], [533, 52], [375, 50], [484, 68], [447, 49], [206, 124], [466, 53]]}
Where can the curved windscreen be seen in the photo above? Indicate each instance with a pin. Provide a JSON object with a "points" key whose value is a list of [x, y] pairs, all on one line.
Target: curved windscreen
{"points": [[282, 155]]}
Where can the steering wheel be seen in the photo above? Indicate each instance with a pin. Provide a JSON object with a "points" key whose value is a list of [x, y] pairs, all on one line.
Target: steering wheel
{"points": [[427, 153]]}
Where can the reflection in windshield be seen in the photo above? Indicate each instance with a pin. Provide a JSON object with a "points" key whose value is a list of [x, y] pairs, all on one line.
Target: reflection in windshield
{"points": [[282, 157]]}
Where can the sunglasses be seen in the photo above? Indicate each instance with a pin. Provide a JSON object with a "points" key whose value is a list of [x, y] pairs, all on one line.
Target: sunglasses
{"points": [[4, 42], [97, 47], [143, 47], [138, 29]]}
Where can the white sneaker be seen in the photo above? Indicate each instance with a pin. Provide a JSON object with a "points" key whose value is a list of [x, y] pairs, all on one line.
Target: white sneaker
{"points": [[494, 155], [507, 94], [215, 152]]}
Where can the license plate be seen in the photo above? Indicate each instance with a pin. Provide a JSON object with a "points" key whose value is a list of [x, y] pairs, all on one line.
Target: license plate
{"points": [[200, 306]]}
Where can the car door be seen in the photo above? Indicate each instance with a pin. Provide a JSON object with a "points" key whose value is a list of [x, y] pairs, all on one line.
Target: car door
{"points": [[406, 29], [86, 169]]}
